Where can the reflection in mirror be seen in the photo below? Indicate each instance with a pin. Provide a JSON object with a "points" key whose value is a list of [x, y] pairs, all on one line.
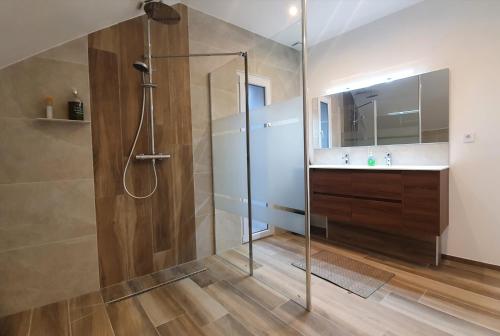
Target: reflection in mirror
{"points": [[398, 111], [404, 111], [434, 106]]}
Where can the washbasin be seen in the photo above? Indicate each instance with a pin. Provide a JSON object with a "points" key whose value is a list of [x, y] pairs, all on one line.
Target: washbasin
{"points": [[379, 167]]}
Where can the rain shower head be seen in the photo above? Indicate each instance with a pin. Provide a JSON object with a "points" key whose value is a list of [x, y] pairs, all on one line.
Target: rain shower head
{"points": [[141, 66], [158, 11]]}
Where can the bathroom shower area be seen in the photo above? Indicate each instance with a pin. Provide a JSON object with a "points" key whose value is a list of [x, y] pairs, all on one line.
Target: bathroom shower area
{"points": [[144, 206], [189, 174], [181, 148], [193, 201], [190, 163]]}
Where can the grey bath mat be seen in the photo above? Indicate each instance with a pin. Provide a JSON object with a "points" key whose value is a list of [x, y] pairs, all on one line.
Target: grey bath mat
{"points": [[350, 274]]}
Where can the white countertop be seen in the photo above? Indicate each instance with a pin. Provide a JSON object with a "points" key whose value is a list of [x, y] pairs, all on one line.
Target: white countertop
{"points": [[379, 167]]}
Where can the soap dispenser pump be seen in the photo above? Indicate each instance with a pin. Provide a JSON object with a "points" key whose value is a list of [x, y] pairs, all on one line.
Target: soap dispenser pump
{"points": [[371, 159]]}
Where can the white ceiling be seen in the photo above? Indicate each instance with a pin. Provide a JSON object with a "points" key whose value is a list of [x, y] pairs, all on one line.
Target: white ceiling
{"points": [[326, 18], [331, 18], [31, 26]]}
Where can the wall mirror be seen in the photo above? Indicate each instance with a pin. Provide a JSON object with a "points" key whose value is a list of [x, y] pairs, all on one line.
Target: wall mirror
{"points": [[403, 111]]}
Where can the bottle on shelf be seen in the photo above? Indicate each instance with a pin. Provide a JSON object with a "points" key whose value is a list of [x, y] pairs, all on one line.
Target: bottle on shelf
{"points": [[49, 107], [75, 107]]}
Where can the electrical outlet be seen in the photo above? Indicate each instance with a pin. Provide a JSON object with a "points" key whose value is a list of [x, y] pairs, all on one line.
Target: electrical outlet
{"points": [[469, 137]]}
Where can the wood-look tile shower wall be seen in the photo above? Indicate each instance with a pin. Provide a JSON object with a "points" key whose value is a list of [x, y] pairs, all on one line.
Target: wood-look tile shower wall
{"points": [[136, 237]]}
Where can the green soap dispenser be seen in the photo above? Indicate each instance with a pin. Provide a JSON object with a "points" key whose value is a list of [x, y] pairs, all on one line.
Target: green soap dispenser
{"points": [[371, 159]]}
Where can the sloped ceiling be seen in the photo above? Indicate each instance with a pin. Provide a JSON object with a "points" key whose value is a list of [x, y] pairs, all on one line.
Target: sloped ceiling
{"points": [[28, 27]]}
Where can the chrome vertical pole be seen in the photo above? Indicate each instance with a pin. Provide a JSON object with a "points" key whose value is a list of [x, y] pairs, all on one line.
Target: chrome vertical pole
{"points": [[420, 109], [375, 122], [306, 155], [249, 175], [150, 82]]}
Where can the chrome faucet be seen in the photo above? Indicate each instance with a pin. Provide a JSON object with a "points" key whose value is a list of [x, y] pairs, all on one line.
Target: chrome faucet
{"points": [[388, 159], [345, 158]]}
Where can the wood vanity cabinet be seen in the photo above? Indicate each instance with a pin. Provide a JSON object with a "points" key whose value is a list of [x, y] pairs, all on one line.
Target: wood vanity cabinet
{"points": [[397, 212]]}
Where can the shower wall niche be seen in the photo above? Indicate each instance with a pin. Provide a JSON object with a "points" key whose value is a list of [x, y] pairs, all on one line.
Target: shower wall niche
{"points": [[137, 237]]}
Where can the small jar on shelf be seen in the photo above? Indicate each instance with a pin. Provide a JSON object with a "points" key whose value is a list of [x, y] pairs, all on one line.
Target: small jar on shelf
{"points": [[49, 107]]}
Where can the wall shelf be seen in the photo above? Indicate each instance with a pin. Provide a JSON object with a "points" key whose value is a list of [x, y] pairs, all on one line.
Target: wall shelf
{"points": [[64, 121]]}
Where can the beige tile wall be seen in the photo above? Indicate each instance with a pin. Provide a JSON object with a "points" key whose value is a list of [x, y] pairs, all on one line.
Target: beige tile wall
{"points": [[48, 248], [266, 58]]}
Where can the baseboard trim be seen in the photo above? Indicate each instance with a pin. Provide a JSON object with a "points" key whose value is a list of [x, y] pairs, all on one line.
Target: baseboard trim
{"points": [[471, 262]]}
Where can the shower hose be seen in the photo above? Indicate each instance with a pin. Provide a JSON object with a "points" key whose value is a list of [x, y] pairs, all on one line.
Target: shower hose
{"points": [[132, 152]]}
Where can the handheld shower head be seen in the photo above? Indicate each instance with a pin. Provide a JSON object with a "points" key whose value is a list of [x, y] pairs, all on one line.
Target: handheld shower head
{"points": [[141, 66]]}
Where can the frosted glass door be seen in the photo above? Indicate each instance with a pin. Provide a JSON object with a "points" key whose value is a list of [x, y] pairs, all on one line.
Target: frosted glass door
{"points": [[229, 163], [277, 165]]}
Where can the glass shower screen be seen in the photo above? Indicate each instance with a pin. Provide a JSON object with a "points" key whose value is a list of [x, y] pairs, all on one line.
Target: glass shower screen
{"points": [[276, 238]]}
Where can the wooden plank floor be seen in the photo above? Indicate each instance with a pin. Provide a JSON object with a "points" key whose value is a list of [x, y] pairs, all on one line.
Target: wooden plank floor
{"points": [[454, 299]]}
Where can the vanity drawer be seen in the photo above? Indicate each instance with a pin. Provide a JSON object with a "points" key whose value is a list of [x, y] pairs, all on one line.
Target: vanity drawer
{"points": [[379, 185], [378, 215], [326, 181], [336, 209]]}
